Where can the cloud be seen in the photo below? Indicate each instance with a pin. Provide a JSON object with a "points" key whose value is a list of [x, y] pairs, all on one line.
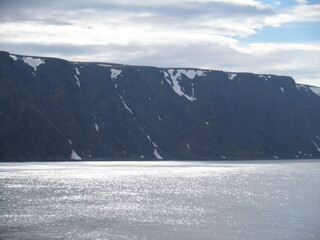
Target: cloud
{"points": [[215, 17], [203, 33]]}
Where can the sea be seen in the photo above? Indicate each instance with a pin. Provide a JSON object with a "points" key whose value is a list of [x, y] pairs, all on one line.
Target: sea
{"points": [[224, 200]]}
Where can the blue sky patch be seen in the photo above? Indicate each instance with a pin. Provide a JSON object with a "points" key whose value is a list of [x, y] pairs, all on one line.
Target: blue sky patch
{"points": [[289, 33]]}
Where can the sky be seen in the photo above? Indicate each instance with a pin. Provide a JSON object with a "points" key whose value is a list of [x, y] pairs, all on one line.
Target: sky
{"points": [[260, 36]]}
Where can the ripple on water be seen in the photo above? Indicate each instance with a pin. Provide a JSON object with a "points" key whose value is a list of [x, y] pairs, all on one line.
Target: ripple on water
{"points": [[160, 200]]}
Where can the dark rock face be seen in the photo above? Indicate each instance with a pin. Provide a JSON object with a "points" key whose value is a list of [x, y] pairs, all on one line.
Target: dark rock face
{"points": [[52, 109]]}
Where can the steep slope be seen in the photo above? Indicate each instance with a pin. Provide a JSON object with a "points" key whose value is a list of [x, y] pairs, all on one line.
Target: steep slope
{"points": [[52, 109]]}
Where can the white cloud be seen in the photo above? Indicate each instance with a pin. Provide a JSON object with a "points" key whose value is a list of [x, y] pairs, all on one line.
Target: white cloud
{"points": [[164, 33]]}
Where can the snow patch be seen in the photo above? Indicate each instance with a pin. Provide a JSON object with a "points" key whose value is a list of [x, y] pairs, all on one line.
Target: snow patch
{"points": [[155, 152], [276, 157], [77, 80], [188, 146], [15, 58], [159, 118], [192, 89], [142, 156], [265, 77], [191, 74], [75, 156], [115, 73], [173, 77], [300, 86], [149, 138], [282, 89], [33, 62], [125, 105], [155, 145], [315, 145], [77, 71], [104, 65], [70, 141], [96, 127], [316, 90], [207, 123], [232, 75]]}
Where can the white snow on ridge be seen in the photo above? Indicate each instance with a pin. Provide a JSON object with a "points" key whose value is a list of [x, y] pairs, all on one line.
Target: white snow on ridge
{"points": [[232, 75], [15, 58], [300, 86], [173, 77], [115, 73], [316, 90], [265, 77], [104, 65], [155, 152], [75, 156], [33, 62], [191, 74]]}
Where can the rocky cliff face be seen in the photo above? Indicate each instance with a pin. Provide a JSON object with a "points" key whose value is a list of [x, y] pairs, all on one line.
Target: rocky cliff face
{"points": [[52, 109]]}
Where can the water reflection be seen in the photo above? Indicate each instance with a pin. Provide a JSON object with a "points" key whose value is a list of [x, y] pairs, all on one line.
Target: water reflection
{"points": [[160, 200]]}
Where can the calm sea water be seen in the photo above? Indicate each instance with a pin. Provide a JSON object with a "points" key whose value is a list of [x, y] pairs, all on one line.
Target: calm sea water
{"points": [[160, 200]]}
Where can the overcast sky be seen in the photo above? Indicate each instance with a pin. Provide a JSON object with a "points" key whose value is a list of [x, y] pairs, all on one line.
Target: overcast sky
{"points": [[265, 36]]}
